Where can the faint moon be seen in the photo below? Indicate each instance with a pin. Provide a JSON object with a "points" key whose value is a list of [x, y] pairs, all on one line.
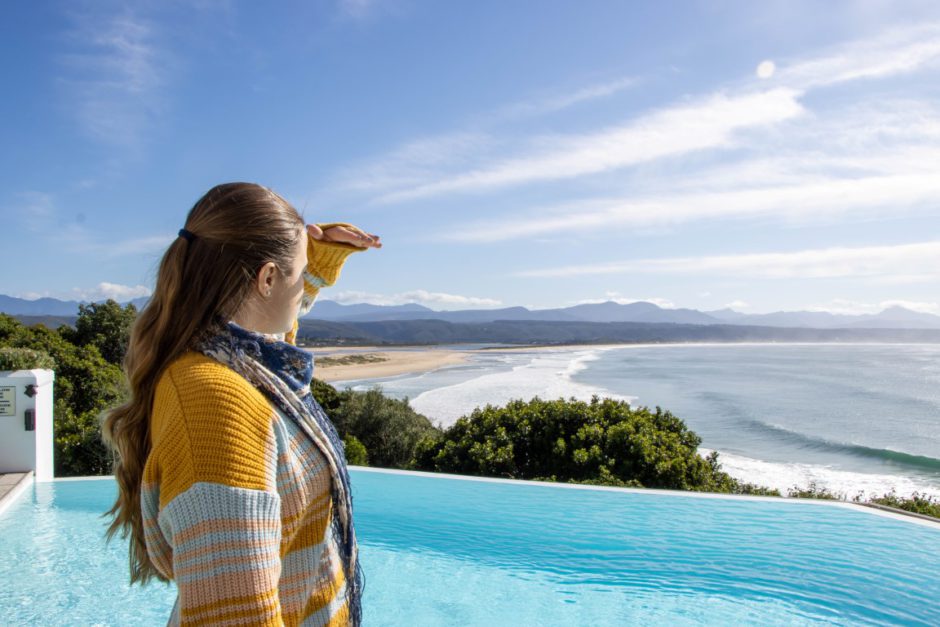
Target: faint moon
{"points": [[766, 69]]}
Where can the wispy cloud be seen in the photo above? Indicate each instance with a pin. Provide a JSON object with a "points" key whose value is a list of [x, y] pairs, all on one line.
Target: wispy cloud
{"points": [[426, 159], [618, 298], [413, 163], [919, 259], [849, 307], [423, 297], [34, 210], [359, 9], [552, 104], [137, 245], [732, 123], [105, 290], [709, 123], [897, 51], [810, 201], [863, 161], [113, 76], [40, 213]]}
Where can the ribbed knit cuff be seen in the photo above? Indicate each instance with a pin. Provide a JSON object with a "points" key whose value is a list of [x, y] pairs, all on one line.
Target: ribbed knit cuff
{"points": [[326, 259]]}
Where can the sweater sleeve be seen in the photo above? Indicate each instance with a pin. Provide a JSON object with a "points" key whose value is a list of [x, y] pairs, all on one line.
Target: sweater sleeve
{"points": [[324, 262], [219, 512]]}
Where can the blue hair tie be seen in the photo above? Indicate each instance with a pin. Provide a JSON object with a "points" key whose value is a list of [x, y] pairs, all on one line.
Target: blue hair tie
{"points": [[187, 235]]}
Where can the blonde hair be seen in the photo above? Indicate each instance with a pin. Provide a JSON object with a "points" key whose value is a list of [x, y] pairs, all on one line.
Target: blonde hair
{"points": [[238, 227]]}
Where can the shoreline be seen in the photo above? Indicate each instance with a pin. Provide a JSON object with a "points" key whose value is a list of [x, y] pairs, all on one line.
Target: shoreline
{"points": [[385, 363], [457, 347]]}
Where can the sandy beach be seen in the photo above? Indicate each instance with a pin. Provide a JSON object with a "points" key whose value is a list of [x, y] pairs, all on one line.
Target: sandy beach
{"points": [[344, 363], [346, 366]]}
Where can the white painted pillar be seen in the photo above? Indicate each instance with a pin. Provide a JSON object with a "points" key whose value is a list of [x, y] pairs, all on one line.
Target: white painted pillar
{"points": [[26, 401]]}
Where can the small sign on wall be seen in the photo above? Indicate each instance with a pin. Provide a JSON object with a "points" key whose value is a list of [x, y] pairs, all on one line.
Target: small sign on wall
{"points": [[8, 401]]}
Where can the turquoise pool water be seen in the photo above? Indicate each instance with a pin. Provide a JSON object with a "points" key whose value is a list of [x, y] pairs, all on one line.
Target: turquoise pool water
{"points": [[444, 551]]}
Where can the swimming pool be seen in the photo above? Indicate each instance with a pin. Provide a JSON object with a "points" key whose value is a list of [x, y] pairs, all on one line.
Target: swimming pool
{"points": [[438, 550]]}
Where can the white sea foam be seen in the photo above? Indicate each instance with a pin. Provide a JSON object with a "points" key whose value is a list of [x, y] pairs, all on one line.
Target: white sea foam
{"points": [[784, 476], [546, 374]]}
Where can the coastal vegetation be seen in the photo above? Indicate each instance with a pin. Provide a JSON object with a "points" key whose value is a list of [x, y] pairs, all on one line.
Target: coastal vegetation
{"points": [[917, 503], [350, 360], [86, 382], [600, 442], [603, 442]]}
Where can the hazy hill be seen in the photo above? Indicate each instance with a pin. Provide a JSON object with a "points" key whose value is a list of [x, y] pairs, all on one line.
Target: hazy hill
{"points": [[639, 312], [564, 332]]}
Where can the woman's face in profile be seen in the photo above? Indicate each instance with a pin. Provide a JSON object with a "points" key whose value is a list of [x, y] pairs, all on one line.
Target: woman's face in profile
{"points": [[288, 290], [275, 299]]}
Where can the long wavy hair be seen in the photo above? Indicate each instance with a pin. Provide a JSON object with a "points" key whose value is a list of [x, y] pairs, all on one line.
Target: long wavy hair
{"points": [[238, 227]]}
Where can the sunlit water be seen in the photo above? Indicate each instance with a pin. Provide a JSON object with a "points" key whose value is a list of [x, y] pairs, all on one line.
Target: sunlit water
{"points": [[439, 551], [854, 418]]}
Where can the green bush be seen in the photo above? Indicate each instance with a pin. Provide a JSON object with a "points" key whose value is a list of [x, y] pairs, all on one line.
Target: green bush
{"points": [[917, 503], [106, 326], [24, 359], [815, 491], [79, 449], [601, 442], [356, 453], [388, 428], [328, 396], [85, 385]]}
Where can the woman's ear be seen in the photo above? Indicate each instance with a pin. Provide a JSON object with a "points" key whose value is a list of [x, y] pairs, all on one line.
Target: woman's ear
{"points": [[265, 281]]}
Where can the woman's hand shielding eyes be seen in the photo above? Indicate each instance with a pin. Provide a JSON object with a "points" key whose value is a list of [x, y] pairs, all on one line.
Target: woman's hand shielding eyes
{"points": [[344, 234]]}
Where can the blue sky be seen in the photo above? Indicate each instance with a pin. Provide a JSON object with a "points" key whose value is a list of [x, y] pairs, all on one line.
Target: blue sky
{"points": [[765, 156]]}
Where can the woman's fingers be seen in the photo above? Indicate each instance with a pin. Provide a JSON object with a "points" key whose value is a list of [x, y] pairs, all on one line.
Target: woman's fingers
{"points": [[347, 235]]}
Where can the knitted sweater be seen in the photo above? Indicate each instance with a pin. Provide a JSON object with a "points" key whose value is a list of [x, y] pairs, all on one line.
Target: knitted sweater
{"points": [[236, 499]]}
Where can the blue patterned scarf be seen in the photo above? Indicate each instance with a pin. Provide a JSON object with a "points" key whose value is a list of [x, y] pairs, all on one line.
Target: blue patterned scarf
{"points": [[283, 372]]}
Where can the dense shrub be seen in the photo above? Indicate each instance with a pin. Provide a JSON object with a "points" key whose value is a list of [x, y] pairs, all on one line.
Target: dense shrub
{"points": [[85, 385], [24, 359], [814, 491], [106, 326], [917, 503], [79, 450], [356, 453], [388, 429], [328, 396], [602, 442]]}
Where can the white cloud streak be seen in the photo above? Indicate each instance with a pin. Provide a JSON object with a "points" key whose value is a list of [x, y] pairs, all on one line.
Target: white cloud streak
{"points": [[843, 263], [853, 308], [422, 297], [808, 201], [897, 51], [616, 297], [358, 9], [678, 130], [105, 290], [113, 78], [559, 103], [708, 123]]}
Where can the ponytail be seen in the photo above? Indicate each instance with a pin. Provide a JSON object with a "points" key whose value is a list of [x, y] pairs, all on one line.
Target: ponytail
{"points": [[201, 282]]}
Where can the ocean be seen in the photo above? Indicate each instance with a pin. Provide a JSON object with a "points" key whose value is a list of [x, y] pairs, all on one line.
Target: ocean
{"points": [[849, 417]]}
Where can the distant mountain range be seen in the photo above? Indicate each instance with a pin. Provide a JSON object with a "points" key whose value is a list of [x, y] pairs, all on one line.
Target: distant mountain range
{"points": [[891, 318], [50, 306], [639, 312]]}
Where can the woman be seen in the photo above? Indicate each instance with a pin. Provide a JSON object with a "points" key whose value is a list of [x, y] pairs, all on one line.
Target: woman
{"points": [[232, 481]]}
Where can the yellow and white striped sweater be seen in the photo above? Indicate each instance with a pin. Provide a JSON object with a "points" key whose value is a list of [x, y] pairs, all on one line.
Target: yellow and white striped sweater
{"points": [[236, 499]]}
